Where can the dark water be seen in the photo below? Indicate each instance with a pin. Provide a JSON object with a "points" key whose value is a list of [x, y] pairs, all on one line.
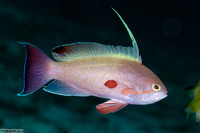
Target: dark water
{"points": [[167, 33]]}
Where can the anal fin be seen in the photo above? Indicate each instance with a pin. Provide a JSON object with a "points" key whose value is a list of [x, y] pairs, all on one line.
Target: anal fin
{"points": [[65, 89], [110, 106]]}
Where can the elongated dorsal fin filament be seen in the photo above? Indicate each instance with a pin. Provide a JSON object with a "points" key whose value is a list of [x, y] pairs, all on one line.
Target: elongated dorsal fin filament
{"points": [[135, 47]]}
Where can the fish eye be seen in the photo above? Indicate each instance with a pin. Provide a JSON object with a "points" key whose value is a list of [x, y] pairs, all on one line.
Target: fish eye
{"points": [[156, 87]]}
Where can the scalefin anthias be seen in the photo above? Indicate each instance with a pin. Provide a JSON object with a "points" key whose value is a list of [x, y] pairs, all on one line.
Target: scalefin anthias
{"points": [[93, 69]]}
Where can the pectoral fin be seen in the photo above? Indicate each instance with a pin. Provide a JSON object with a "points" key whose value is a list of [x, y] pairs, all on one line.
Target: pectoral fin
{"points": [[110, 106]]}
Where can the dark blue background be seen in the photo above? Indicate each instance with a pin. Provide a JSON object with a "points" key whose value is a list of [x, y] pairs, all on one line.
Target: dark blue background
{"points": [[167, 33]]}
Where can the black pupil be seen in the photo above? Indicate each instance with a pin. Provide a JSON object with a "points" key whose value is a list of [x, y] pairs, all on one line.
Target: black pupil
{"points": [[156, 87]]}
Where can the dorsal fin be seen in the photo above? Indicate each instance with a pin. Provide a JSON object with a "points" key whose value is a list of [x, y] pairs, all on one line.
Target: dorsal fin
{"points": [[134, 43], [90, 49]]}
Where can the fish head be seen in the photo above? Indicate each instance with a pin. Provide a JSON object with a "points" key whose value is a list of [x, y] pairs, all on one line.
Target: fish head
{"points": [[154, 91], [148, 89]]}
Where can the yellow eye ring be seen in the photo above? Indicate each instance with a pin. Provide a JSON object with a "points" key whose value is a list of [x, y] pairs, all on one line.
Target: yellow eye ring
{"points": [[156, 87]]}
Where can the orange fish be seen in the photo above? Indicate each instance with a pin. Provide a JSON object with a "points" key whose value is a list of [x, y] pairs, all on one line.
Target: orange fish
{"points": [[92, 69]]}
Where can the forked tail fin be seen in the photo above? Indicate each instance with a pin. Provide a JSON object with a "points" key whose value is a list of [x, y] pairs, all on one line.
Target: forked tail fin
{"points": [[36, 69]]}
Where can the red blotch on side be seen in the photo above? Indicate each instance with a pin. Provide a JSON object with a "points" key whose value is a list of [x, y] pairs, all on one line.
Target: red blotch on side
{"points": [[111, 84]]}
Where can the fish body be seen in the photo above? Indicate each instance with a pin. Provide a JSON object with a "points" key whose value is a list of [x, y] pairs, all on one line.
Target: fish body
{"points": [[91, 74], [193, 107], [92, 69]]}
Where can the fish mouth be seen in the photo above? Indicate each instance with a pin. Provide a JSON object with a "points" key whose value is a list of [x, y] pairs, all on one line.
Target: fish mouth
{"points": [[164, 95], [156, 98]]}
